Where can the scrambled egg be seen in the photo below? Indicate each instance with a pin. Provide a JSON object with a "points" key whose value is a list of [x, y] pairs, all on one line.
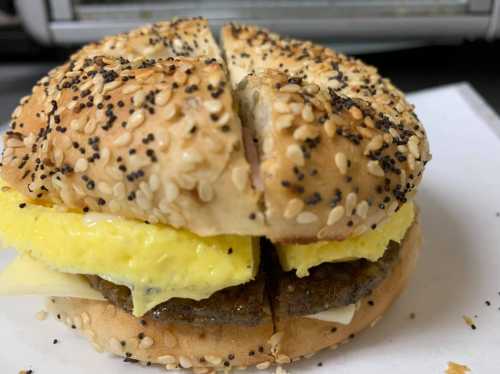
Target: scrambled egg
{"points": [[370, 245], [156, 262]]}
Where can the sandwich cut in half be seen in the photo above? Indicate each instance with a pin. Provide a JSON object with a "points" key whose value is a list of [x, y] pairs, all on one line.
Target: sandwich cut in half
{"points": [[192, 210]]}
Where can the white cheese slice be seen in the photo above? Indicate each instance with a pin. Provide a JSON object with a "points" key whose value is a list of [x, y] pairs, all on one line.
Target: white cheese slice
{"points": [[25, 276], [342, 315]]}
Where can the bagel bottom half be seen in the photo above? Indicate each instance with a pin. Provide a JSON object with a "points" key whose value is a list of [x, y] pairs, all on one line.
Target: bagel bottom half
{"points": [[223, 346]]}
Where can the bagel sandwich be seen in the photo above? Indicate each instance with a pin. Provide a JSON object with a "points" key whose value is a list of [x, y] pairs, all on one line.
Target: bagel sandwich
{"points": [[204, 209]]}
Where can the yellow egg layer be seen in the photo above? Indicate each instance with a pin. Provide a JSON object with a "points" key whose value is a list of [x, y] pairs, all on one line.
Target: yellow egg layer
{"points": [[371, 245], [156, 262]]}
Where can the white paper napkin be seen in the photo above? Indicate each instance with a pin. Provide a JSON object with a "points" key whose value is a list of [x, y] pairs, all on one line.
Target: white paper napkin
{"points": [[458, 271]]}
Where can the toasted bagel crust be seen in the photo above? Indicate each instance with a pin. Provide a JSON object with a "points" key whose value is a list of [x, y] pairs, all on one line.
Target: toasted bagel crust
{"points": [[156, 146], [228, 345], [190, 37], [328, 148], [340, 146], [322, 176]]}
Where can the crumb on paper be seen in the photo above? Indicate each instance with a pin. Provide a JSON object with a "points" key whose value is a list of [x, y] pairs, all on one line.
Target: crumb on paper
{"points": [[454, 368], [412, 315], [41, 315], [469, 322]]}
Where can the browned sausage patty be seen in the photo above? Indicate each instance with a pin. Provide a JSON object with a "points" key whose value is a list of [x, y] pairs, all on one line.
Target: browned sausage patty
{"points": [[329, 285], [245, 304]]}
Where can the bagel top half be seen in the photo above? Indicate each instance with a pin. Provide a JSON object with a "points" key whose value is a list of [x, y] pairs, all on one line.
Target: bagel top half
{"points": [[297, 143]]}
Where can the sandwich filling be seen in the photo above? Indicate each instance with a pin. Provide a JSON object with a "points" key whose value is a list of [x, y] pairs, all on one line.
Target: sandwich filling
{"points": [[155, 268]]}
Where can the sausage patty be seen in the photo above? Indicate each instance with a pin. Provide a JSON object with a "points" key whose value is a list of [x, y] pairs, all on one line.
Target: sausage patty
{"points": [[245, 304], [329, 285]]}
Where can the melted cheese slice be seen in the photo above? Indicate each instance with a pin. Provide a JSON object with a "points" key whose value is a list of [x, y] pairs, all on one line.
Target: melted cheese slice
{"points": [[370, 245], [156, 262], [25, 276], [342, 315]]}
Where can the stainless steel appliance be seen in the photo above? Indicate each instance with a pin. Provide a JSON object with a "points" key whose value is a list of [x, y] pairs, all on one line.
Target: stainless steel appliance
{"points": [[63, 22]]}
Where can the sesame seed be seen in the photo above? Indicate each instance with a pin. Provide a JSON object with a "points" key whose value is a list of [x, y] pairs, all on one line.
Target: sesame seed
{"points": [[90, 127], [214, 360], [170, 111], [112, 85], [185, 362], [296, 108], [167, 359], [392, 208], [283, 359], [146, 342], [295, 154], [351, 201], [362, 209], [290, 88], [368, 121], [223, 119], [213, 106], [263, 365], [359, 230], [330, 128], [171, 191], [375, 169], [115, 346], [293, 208], [341, 162], [104, 188], [267, 145], [306, 218], [284, 121], [180, 77], [356, 113], [205, 191], [305, 132], [311, 89], [136, 119], [239, 176], [411, 161], [374, 145], [123, 140], [335, 215], [138, 98], [162, 98], [307, 113], [413, 146]]}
